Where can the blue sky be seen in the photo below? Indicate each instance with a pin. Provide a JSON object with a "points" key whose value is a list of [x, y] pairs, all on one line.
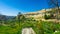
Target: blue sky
{"points": [[12, 7]]}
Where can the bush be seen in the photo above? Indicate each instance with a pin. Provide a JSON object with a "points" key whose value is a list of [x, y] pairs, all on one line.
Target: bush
{"points": [[47, 16]]}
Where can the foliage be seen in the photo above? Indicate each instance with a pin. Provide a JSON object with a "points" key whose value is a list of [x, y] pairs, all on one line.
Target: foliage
{"points": [[47, 16], [40, 27]]}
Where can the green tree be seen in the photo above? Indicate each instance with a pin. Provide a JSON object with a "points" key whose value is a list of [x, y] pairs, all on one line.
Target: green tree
{"points": [[21, 17]]}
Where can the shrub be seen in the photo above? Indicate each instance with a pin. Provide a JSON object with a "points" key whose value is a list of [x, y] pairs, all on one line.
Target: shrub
{"points": [[47, 16]]}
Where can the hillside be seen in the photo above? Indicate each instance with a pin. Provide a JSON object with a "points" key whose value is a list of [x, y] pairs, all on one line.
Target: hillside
{"points": [[4, 17]]}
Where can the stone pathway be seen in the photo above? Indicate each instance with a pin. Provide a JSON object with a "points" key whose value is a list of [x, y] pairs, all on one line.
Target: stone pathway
{"points": [[28, 31]]}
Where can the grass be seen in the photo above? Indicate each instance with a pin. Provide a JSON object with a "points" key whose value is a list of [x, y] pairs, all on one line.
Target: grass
{"points": [[8, 30], [40, 27]]}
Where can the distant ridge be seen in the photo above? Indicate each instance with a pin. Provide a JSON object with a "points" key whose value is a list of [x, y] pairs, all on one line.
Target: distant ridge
{"points": [[4, 17]]}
